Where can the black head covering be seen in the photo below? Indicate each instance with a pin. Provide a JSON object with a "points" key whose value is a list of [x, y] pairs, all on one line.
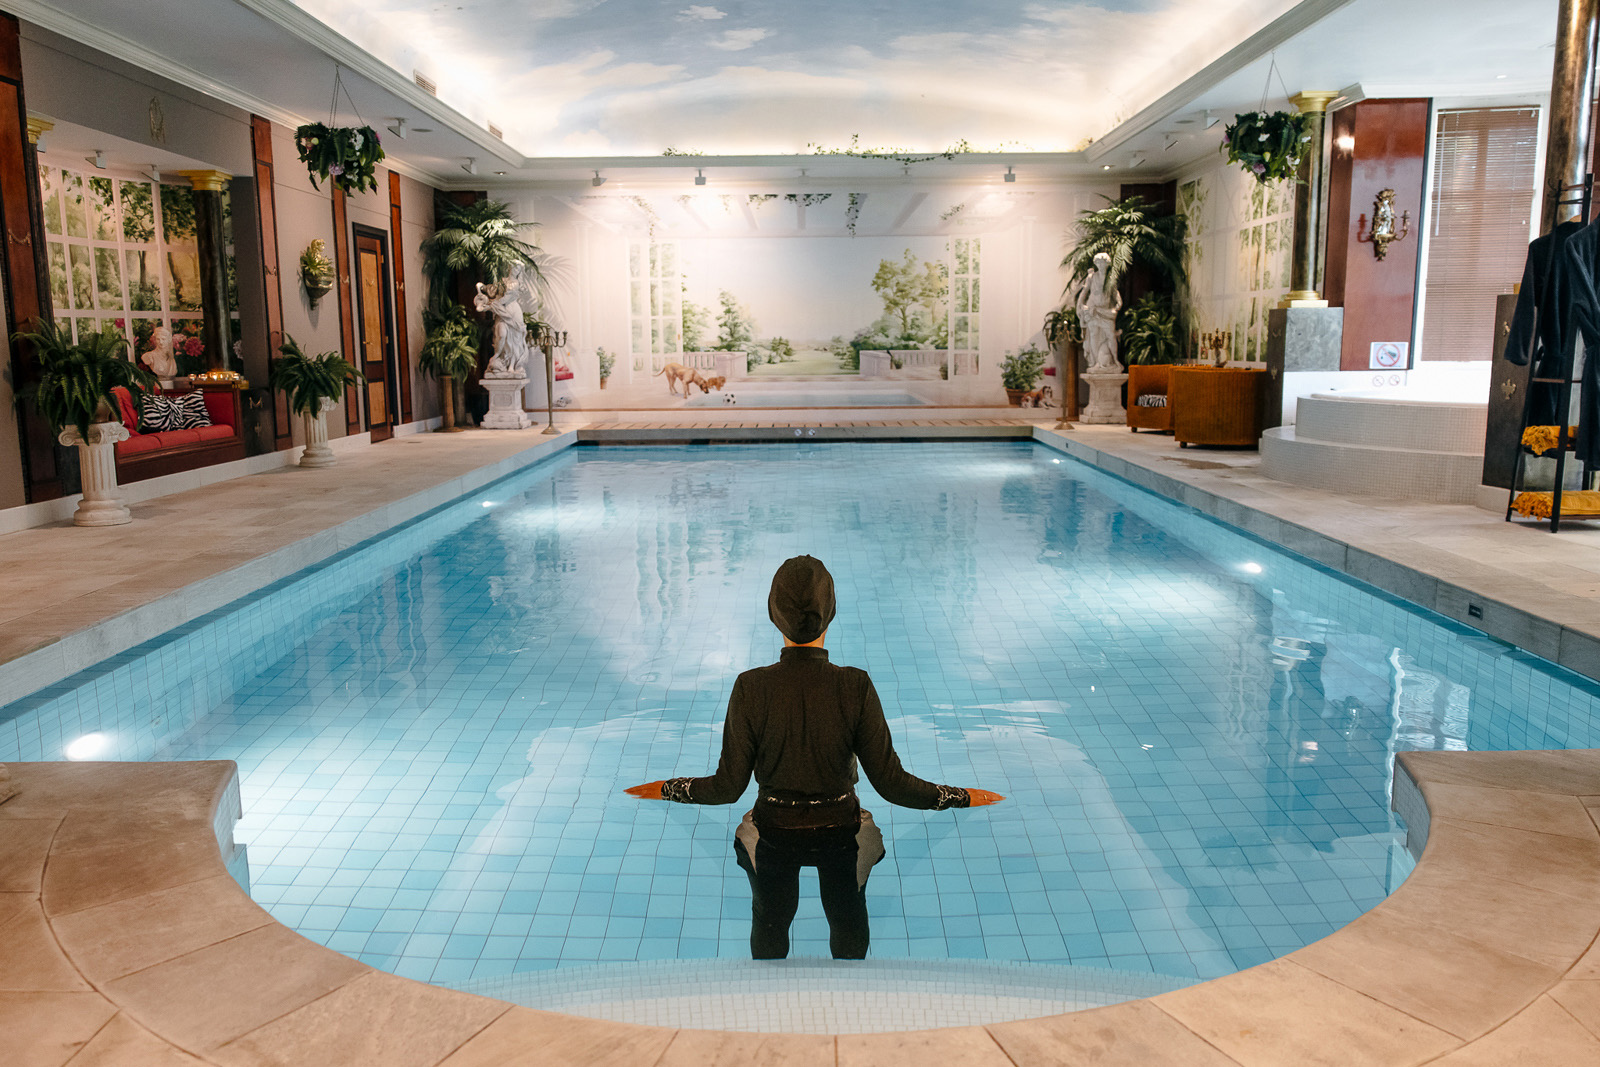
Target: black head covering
{"points": [[801, 603]]}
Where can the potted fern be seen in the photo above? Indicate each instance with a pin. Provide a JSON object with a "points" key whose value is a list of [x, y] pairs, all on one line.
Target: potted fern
{"points": [[312, 384], [449, 354], [74, 394], [1020, 372]]}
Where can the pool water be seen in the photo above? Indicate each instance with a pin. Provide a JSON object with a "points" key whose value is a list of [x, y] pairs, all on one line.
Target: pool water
{"points": [[1195, 733]]}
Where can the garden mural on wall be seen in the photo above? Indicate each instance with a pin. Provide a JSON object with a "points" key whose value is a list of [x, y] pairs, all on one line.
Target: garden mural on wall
{"points": [[1237, 250]]}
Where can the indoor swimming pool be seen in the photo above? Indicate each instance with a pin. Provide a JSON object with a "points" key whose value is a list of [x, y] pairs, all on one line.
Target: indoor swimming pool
{"points": [[742, 394], [1195, 731]]}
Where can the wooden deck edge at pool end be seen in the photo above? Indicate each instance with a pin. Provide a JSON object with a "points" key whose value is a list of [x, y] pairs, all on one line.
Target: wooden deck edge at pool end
{"points": [[124, 941]]}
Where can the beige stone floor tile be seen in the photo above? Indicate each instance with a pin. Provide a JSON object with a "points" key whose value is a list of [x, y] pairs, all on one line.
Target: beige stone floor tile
{"points": [[715, 1048], [124, 1043], [48, 1029], [1581, 999], [1541, 812], [1574, 772], [1544, 927], [89, 877], [1544, 1035], [967, 1046], [128, 935], [378, 1020], [207, 998], [30, 959], [1281, 1015], [523, 1037], [1133, 1034], [1564, 865], [1428, 972], [24, 846], [13, 904]]}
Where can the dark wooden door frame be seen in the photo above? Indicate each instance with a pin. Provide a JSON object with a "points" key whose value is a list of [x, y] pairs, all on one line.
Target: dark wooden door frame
{"points": [[391, 372]]}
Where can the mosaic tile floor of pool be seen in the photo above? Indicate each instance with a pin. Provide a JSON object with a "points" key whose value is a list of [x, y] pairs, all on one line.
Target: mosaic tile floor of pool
{"points": [[1194, 733]]}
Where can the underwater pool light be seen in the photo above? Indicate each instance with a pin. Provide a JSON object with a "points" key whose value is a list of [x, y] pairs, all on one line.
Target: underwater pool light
{"points": [[1250, 568], [88, 746], [488, 503]]}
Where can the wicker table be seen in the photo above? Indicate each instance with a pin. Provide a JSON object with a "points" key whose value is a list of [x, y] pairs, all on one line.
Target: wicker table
{"points": [[1217, 405]]}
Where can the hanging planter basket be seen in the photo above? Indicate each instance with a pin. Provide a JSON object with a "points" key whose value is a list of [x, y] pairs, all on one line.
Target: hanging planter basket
{"points": [[1267, 145], [347, 156]]}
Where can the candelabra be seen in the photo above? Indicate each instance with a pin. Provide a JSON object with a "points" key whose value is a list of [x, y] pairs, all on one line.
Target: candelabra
{"points": [[1217, 342], [549, 339]]}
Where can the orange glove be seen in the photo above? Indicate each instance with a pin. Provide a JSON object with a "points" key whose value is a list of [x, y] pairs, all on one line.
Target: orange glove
{"points": [[652, 791], [976, 798]]}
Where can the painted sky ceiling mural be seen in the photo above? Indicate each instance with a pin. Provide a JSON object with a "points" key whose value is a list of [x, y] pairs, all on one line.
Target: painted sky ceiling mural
{"points": [[739, 77]]}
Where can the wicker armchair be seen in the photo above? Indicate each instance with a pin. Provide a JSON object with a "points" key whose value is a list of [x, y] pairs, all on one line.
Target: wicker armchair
{"points": [[1217, 406], [1153, 379]]}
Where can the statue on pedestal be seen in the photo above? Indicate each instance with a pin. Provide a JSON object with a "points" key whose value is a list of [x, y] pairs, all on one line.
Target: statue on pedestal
{"points": [[1097, 311], [503, 300]]}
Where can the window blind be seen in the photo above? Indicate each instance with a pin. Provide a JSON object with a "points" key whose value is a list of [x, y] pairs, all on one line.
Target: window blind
{"points": [[1482, 195]]}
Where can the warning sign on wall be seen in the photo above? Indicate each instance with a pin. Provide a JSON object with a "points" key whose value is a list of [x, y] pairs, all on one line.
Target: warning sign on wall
{"points": [[1390, 355]]}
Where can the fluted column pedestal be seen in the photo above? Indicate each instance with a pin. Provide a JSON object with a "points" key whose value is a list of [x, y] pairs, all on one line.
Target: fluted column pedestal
{"points": [[97, 462], [317, 453]]}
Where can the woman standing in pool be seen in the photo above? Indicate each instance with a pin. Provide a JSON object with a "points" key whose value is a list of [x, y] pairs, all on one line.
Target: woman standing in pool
{"points": [[800, 725]]}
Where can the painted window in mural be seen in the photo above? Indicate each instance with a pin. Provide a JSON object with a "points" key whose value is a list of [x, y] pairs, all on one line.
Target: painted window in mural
{"points": [[1483, 166], [1237, 253], [966, 296], [654, 293], [122, 252]]}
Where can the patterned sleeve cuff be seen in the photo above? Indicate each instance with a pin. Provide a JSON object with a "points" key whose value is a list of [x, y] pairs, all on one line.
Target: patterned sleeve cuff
{"points": [[950, 796], [677, 790]]}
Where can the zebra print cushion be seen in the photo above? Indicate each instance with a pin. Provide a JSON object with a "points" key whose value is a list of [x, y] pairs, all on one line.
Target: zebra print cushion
{"points": [[186, 412]]}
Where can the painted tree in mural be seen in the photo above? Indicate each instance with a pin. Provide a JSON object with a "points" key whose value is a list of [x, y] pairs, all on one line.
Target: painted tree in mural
{"points": [[913, 292], [736, 331], [696, 324]]}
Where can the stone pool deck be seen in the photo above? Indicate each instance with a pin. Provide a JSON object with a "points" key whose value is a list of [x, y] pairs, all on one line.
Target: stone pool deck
{"points": [[126, 943]]}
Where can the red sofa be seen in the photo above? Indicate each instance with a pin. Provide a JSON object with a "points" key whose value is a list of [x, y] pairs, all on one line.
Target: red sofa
{"points": [[150, 455]]}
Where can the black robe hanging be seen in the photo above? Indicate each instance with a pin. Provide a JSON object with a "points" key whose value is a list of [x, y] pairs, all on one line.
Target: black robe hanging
{"points": [[1544, 289], [1578, 277]]}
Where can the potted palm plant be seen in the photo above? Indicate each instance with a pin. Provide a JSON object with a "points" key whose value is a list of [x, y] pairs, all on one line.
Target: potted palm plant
{"points": [[74, 394], [483, 241], [449, 354], [1132, 232], [1150, 331], [312, 384], [1020, 373]]}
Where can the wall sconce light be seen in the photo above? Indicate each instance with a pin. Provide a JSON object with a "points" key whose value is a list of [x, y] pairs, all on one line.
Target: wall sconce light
{"points": [[1010, 177], [597, 181], [1383, 225], [699, 176], [471, 165]]}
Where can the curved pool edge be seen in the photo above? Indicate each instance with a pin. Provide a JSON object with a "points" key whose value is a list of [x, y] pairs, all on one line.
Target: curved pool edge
{"points": [[127, 942]]}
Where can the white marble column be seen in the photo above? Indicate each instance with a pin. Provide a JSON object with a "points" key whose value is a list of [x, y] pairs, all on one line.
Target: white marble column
{"points": [[317, 453], [97, 465]]}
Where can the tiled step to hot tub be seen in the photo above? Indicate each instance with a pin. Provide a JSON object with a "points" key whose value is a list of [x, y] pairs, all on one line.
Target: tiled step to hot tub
{"points": [[1388, 471], [1392, 424]]}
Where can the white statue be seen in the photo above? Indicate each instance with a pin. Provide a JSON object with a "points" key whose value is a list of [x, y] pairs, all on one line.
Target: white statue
{"points": [[159, 357], [504, 301], [1097, 312]]}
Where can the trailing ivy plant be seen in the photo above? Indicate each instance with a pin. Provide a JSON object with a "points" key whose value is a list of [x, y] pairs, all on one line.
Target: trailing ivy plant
{"points": [[309, 380], [75, 380], [347, 156], [1268, 145], [1150, 331]]}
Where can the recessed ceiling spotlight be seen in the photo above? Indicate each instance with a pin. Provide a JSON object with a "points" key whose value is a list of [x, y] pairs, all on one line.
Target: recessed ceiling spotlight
{"points": [[398, 128], [597, 181], [471, 165], [1105, 166], [699, 176], [422, 129], [1010, 177], [500, 174], [98, 159], [1497, 77]]}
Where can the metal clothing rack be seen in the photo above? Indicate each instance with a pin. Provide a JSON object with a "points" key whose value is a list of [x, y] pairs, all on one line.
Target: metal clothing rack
{"points": [[1580, 195]]}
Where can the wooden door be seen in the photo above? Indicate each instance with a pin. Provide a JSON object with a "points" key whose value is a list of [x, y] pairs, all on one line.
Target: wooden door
{"points": [[372, 289]]}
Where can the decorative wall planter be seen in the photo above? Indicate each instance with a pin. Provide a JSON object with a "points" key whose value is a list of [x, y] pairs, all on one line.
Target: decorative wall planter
{"points": [[97, 463], [317, 453]]}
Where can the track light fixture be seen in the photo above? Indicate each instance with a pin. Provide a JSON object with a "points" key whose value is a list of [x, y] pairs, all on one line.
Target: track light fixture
{"points": [[597, 181], [1010, 177], [471, 165], [699, 176], [98, 159], [398, 128], [1136, 160]]}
